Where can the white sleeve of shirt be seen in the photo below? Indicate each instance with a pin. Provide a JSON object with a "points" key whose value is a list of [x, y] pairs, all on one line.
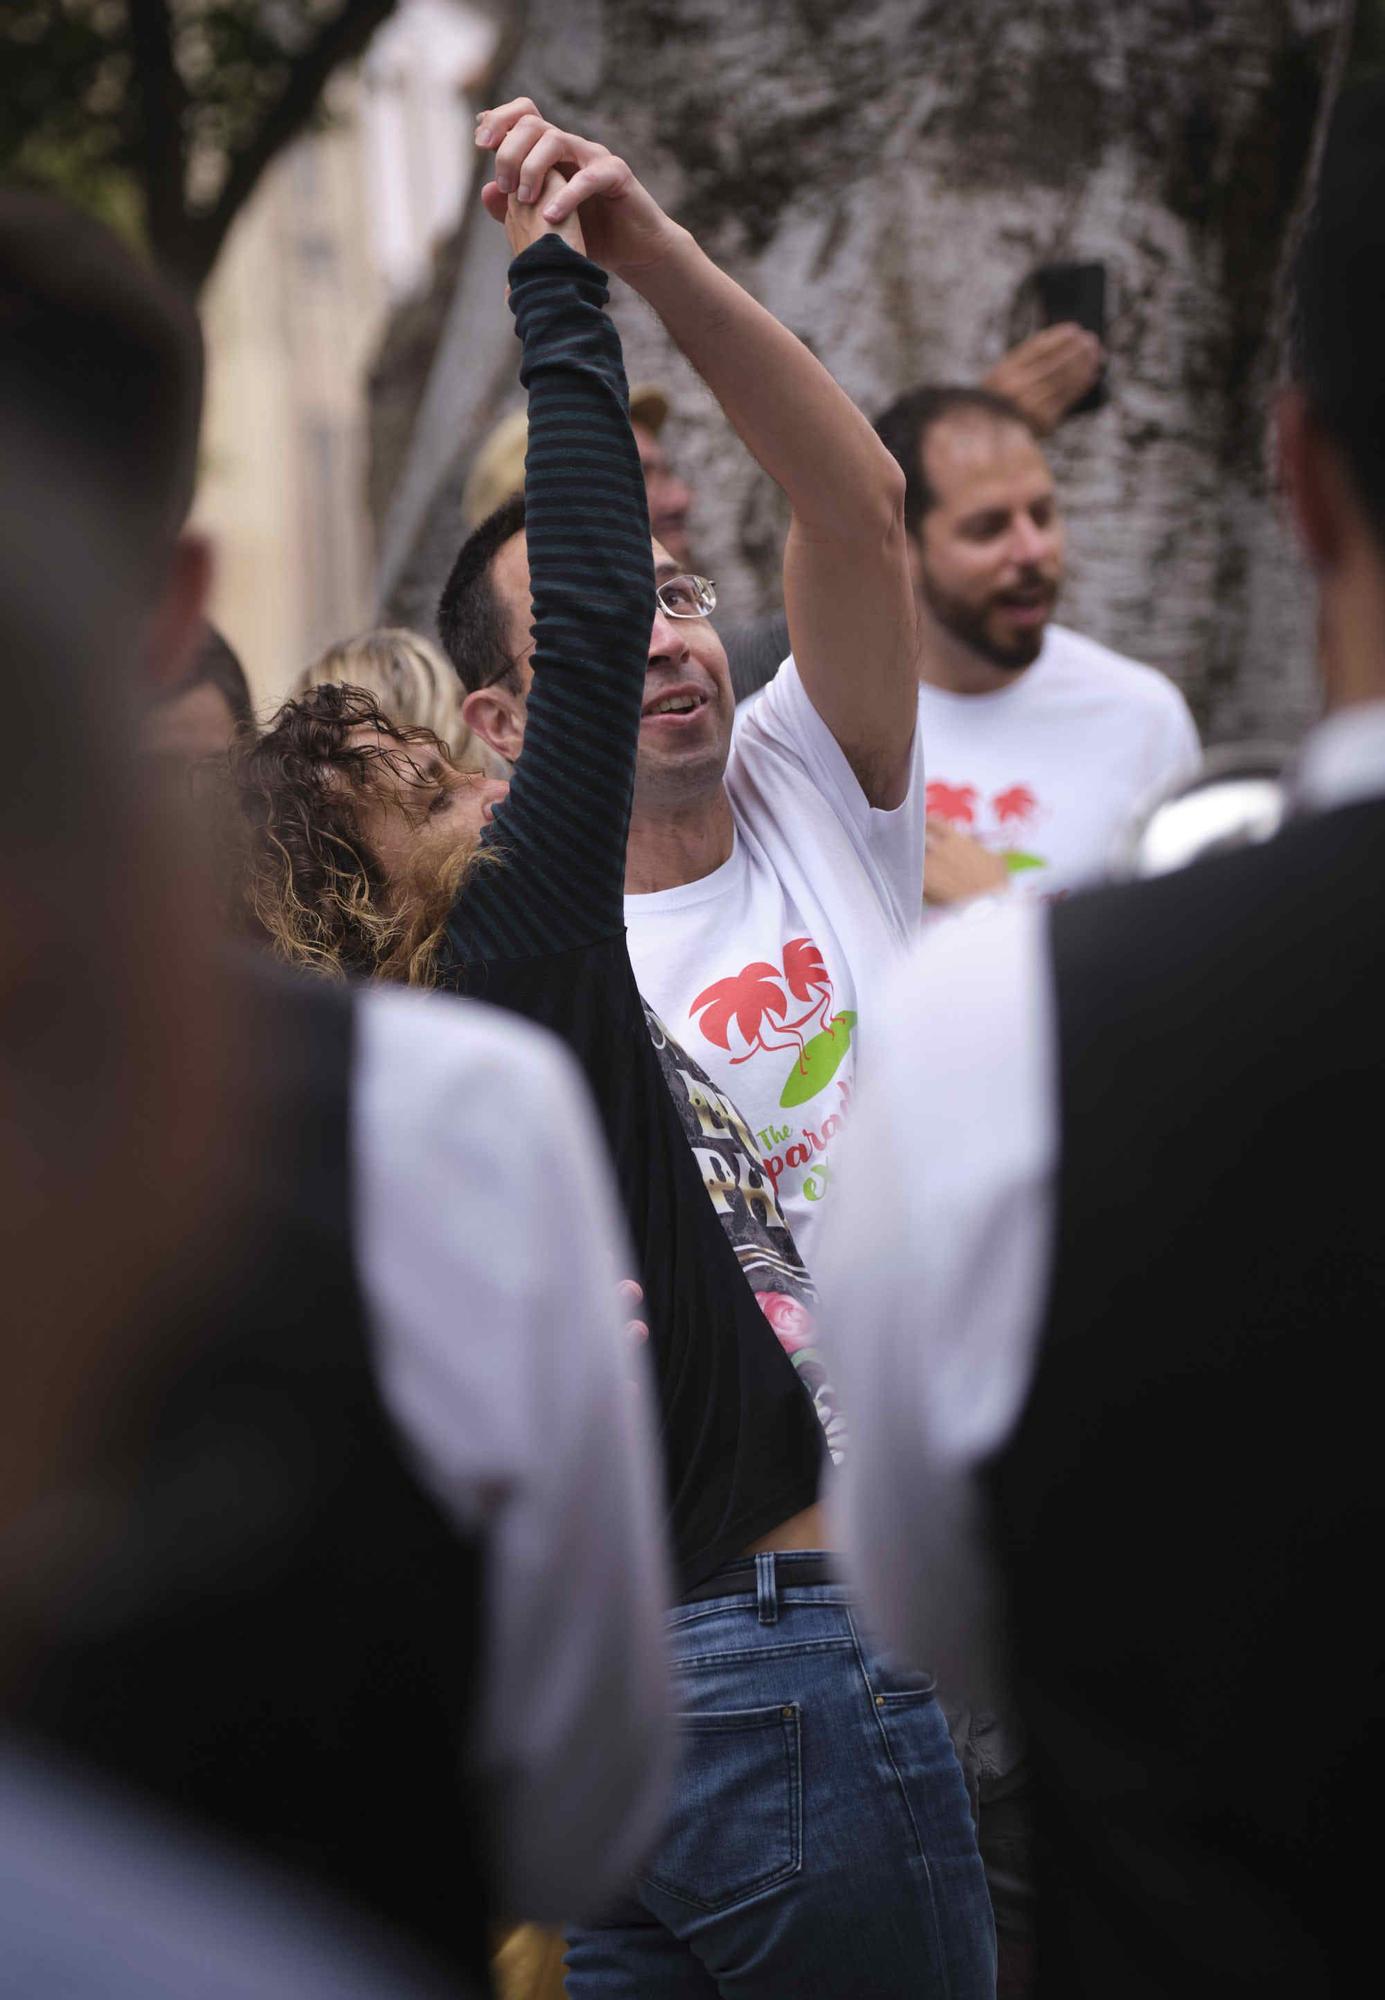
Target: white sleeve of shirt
{"points": [[490, 1258], [1177, 749], [783, 725], [934, 1272]]}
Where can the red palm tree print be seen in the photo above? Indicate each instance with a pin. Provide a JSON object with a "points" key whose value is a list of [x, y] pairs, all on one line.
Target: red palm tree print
{"points": [[1015, 803], [955, 802], [808, 979], [747, 999]]}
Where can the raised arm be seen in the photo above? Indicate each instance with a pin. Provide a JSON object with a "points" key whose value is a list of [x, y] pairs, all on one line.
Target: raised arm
{"points": [[847, 587], [560, 835], [847, 590]]}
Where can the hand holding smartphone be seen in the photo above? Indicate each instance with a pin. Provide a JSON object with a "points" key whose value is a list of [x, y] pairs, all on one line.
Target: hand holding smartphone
{"points": [[1076, 293]]}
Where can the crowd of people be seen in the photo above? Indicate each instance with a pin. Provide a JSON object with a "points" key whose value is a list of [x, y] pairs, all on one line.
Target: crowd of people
{"points": [[781, 1417]]}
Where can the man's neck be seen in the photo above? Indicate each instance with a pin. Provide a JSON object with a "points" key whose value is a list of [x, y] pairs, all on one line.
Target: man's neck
{"points": [[668, 848], [946, 662]]}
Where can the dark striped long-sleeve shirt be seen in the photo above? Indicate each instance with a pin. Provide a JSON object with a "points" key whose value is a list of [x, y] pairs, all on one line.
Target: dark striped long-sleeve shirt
{"points": [[543, 931], [562, 830]]}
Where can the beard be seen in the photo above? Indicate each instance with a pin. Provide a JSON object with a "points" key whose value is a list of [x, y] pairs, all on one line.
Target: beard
{"points": [[970, 624]]}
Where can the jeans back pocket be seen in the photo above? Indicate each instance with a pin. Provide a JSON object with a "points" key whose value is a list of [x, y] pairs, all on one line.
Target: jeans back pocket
{"points": [[736, 1827]]}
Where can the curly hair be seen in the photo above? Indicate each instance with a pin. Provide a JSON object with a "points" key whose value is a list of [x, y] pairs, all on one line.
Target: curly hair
{"points": [[309, 884]]}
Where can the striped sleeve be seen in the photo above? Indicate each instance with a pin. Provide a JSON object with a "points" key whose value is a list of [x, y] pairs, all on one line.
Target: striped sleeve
{"points": [[560, 835]]}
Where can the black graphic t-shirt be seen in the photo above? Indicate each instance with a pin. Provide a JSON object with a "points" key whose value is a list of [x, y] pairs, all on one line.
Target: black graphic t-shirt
{"points": [[743, 1198], [542, 933]]}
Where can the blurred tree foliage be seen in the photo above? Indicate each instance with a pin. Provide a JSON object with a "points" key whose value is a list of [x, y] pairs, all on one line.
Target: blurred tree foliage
{"points": [[162, 114]]}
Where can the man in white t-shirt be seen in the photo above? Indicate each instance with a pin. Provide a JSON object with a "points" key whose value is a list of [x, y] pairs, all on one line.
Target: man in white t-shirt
{"points": [[767, 888], [1042, 745], [770, 883]]}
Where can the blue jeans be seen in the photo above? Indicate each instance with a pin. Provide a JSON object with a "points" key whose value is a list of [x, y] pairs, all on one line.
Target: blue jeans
{"points": [[820, 1844]]}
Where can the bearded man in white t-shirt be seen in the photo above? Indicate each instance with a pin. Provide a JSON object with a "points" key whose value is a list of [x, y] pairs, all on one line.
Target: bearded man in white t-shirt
{"points": [[770, 882], [1042, 744]]}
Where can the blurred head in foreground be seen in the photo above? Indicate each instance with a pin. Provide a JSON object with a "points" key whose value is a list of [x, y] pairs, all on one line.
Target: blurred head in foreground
{"points": [[412, 682], [114, 1049], [106, 360], [1331, 419], [112, 1046]]}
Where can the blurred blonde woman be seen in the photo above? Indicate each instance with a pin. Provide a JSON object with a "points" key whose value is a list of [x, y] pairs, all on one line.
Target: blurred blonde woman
{"points": [[413, 684]]}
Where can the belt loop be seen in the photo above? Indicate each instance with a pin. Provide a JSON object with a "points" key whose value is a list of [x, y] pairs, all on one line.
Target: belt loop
{"points": [[766, 1598]]}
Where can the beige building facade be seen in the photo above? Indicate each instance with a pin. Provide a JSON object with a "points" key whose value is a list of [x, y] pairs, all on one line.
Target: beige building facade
{"points": [[340, 228]]}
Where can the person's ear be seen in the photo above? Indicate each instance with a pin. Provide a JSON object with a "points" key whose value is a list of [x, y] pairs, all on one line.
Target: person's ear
{"points": [[1310, 477], [913, 542], [175, 628], [496, 715]]}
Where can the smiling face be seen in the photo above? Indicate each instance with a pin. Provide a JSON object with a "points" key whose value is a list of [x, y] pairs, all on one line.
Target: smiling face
{"points": [[989, 554], [689, 706]]}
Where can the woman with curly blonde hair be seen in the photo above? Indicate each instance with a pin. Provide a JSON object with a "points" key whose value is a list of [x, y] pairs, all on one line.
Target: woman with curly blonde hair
{"points": [[413, 685], [360, 833]]}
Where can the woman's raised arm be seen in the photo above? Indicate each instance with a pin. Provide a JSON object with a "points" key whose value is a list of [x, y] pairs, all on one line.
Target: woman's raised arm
{"points": [[561, 833]]}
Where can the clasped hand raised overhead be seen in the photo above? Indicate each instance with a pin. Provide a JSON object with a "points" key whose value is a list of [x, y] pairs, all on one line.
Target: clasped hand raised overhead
{"points": [[543, 176], [847, 587]]}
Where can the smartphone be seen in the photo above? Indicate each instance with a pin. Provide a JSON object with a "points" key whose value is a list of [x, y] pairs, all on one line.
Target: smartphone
{"points": [[1076, 292]]}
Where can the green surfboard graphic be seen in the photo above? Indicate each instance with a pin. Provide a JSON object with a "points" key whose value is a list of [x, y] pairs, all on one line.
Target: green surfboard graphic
{"points": [[1015, 859], [819, 1063]]}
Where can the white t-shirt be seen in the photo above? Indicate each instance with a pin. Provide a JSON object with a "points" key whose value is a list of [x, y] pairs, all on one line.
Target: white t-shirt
{"points": [[503, 1360], [1051, 770], [765, 970]]}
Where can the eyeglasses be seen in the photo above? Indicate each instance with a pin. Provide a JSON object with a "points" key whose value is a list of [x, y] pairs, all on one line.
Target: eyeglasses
{"points": [[678, 597], [687, 597]]}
